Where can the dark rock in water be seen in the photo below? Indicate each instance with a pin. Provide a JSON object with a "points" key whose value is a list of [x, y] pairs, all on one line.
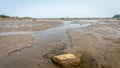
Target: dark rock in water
{"points": [[66, 60]]}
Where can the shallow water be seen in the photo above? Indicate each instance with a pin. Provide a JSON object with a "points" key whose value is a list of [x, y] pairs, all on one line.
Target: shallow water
{"points": [[48, 35], [89, 20]]}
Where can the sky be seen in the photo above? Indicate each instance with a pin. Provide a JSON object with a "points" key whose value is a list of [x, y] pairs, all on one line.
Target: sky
{"points": [[60, 8]]}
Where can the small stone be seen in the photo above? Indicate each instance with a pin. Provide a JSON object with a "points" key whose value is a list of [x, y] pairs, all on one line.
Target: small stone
{"points": [[28, 45], [66, 60], [18, 53]]}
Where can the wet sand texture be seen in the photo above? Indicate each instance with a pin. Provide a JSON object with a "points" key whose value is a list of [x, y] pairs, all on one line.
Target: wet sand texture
{"points": [[12, 43], [26, 25], [99, 44], [97, 40]]}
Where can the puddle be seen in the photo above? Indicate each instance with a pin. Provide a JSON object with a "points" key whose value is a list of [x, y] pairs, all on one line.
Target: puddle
{"points": [[49, 35], [95, 20], [89, 20]]}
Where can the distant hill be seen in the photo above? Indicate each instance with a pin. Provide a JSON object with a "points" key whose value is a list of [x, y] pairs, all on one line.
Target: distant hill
{"points": [[116, 16], [4, 16]]}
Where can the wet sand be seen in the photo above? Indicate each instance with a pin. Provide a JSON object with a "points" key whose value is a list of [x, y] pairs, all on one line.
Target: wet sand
{"points": [[99, 43], [12, 43], [97, 40], [26, 25]]}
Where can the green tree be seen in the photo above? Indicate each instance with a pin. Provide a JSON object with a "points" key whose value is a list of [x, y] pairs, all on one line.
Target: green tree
{"points": [[116, 16], [4, 16]]}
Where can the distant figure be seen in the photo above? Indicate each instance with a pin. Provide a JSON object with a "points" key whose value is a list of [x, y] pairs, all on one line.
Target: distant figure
{"points": [[67, 17]]}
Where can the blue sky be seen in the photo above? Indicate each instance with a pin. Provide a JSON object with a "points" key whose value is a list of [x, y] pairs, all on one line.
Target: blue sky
{"points": [[60, 8]]}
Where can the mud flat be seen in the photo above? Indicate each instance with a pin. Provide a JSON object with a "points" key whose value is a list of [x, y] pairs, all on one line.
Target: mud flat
{"points": [[12, 43], [98, 41], [26, 25]]}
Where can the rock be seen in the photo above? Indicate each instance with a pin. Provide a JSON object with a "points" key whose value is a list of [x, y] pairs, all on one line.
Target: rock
{"points": [[18, 53], [28, 45], [66, 60]]}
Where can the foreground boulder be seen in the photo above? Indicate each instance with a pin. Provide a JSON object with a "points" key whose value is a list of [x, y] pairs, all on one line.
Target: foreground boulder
{"points": [[66, 60]]}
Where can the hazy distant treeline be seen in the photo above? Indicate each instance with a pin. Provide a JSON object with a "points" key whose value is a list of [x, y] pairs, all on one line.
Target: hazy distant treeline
{"points": [[116, 16], [6, 16]]}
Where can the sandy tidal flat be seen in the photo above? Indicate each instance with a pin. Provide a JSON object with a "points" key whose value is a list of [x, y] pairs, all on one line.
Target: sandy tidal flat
{"points": [[26, 25], [12, 43], [97, 41]]}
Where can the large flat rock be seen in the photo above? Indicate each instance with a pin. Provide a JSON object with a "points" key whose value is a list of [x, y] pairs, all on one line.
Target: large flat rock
{"points": [[66, 60]]}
